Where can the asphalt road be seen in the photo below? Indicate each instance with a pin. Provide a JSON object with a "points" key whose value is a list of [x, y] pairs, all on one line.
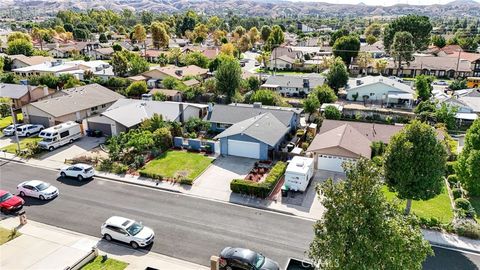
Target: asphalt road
{"points": [[188, 228]]}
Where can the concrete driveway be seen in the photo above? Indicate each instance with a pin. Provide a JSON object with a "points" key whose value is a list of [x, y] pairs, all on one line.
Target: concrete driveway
{"points": [[78, 148], [7, 140], [218, 176]]}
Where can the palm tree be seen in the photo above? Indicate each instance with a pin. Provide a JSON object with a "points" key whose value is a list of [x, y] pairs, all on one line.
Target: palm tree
{"points": [[175, 54]]}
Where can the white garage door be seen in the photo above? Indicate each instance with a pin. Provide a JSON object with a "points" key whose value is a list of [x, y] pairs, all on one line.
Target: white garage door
{"points": [[244, 149], [330, 163]]}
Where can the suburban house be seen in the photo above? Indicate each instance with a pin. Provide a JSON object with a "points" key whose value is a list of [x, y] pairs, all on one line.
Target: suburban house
{"points": [[379, 89], [155, 75], [20, 60], [253, 137], [21, 94], [75, 104], [439, 66], [288, 85], [377, 50], [82, 48], [57, 67], [101, 53], [284, 58], [172, 95], [342, 141], [129, 113], [468, 104]]}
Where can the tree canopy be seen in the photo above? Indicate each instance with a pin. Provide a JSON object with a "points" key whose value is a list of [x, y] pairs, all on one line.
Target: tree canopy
{"points": [[347, 48], [418, 26], [228, 77], [337, 75], [468, 163]]}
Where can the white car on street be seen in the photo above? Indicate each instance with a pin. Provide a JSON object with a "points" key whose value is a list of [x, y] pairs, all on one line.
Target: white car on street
{"points": [[128, 231], [79, 171], [37, 189], [10, 130], [28, 129]]}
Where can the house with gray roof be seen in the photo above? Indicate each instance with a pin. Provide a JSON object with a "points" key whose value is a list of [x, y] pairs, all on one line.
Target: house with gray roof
{"points": [[253, 137], [129, 113], [74, 104], [379, 89], [290, 85], [467, 103], [21, 94]]}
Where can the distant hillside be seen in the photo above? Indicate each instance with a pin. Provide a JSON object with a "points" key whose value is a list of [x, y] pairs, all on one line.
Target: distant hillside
{"points": [[458, 8]]}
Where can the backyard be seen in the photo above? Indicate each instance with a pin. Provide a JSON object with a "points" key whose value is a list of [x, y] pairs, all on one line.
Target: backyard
{"points": [[101, 262], [7, 235], [173, 164], [12, 148], [438, 207]]}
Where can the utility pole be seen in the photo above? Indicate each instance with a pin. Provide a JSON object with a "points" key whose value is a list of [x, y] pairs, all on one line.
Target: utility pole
{"points": [[14, 121]]}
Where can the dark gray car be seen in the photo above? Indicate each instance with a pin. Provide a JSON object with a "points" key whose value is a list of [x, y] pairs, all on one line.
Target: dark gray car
{"points": [[242, 258]]}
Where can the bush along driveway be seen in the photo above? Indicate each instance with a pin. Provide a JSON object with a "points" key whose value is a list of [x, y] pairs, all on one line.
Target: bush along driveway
{"points": [[180, 166], [260, 189]]}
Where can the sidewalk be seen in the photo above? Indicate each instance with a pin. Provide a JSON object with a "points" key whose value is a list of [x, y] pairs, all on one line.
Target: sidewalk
{"points": [[314, 212], [451, 240], [43, 246]]}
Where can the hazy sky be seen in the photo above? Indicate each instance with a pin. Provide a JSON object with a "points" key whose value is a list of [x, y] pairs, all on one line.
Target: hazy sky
{"points": [[382, 3]]}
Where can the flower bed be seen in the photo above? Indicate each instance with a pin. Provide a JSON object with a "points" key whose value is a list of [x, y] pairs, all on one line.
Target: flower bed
{"points": [[260, 189]]}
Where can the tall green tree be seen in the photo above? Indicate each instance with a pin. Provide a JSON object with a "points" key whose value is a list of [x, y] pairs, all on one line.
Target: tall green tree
{"points": [[119, 63], [439, 41], [415, 163], [311, 104], [360, 229], [228, 77], [374, 29], [347, 48], [276, 37], [265, 32], [402, 49], [337, 75], [20, 46], [266, 97], [338, 34], [160, 36], [325, 94], [423, 86], [468, 163], [418, 26]]}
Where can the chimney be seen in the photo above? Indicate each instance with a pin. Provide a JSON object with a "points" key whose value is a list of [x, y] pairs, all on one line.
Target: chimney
{"points": [[180, 109], [257, 105]]}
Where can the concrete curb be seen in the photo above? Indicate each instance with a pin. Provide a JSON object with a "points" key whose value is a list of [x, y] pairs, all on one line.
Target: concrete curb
{"points": [[137, 184], [433, 243]]}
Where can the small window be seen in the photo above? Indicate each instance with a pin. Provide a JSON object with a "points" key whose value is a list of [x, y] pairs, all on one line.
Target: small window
{"points": [[64, 134], [104, 105], [94, 108]]}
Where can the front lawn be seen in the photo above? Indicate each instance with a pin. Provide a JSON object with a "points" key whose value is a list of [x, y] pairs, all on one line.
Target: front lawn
{"points": [[12, 148], [438, 207], [7, 235], [6, 121], [173, 164], [99, 263]]}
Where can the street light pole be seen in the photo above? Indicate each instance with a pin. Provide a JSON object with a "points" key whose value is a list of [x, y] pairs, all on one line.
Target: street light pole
{"points": [[14, 121]]}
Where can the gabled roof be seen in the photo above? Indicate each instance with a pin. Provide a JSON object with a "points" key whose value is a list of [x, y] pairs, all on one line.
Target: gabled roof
{"points": [[77, 99], [345, 137], [178, 72], [264, 127], [371, 80], [232, 114], [30, 60], [14, 91], [295, 81], [372, 131]]}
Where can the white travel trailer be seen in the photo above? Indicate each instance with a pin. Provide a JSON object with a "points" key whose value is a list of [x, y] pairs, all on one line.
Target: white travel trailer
{"points": [[298, 173], [60, 135]]}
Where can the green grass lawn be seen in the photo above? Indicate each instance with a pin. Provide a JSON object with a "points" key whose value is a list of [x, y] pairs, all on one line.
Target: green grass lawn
{"points": [[6, 121], [475, 201], [438, 207], [173, 163], [109, 264], [12, 148], [5, 235]]}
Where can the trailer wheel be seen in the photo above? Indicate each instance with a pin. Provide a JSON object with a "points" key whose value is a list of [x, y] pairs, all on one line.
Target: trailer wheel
{"points": [[50, 148], [71, 140]]}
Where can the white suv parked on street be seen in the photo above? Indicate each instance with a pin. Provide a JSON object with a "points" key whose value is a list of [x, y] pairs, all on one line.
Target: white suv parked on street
{"points": [[28, 129], [79, 171], [128, 231]]}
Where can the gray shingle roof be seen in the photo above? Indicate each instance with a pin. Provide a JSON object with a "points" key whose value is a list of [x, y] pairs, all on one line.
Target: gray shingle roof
{"points": [[14, 91], [264, 127], [77, 99], [232, 114], [295, 81]]}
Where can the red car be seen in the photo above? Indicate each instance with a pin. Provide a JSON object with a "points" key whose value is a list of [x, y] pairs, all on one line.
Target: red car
{"points": [[9, 202]]}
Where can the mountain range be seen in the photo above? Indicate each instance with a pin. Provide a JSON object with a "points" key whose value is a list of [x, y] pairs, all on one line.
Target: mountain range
{"points": [[273, 8]]}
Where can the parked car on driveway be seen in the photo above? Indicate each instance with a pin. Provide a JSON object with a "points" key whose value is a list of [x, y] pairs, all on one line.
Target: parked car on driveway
{"points": [[28, 129], [128, 231], [9, 202], [37, 189], [10, 130], [242, 258], [79, 171]]}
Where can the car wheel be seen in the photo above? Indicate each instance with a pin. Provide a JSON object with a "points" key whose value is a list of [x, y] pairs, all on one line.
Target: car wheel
{"points": [[22, 194], [134, 245], [80, 178], [107, 237], [62, 174], [50, 148], [41, 197], [71, 141], [27, 135]]}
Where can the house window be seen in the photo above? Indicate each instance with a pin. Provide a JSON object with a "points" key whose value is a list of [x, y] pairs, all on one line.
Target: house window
{"points": [[94, 108], [104, 105], [372, 94], [221, 125]]}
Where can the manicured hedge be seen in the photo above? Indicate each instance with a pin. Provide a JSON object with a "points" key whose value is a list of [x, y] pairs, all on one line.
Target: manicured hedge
{"points": [[262, 189], [450, 167], [184, 181]]}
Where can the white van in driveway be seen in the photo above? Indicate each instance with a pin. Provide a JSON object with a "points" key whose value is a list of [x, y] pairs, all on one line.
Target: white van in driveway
{"points": [[28, 129], [59, 135]]}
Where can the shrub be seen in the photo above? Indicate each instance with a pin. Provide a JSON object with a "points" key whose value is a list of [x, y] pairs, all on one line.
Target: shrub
{"points": [[468, 228], [119, 168], [450, 169], [378, 160], [151, 175], [452, 179], [262, 189], [378, 148], [300, 132], [105, 165], [457, 193], [186, 181], [305, 146], [331, 112], [464, 207]]}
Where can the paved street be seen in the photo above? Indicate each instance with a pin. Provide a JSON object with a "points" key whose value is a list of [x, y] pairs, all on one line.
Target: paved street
{"points": [[186, 227]]}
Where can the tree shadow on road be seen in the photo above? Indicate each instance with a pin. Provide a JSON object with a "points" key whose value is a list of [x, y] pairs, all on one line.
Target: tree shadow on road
{"points": [[452, 260]]}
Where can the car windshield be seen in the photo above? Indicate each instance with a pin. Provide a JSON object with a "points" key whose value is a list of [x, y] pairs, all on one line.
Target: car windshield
{"points": [[6, 196], [134, 228], [42, 186], [9, 128], [259, 261]]}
